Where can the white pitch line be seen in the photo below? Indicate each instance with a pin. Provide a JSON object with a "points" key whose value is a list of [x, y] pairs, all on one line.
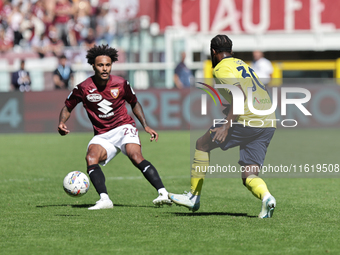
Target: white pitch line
{"points": [[142, 177], [120, 178]]}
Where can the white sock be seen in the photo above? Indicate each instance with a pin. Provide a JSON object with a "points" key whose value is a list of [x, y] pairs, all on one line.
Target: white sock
{"points": [[104, 196], [195, 199], [266, 196], [163, 192]]}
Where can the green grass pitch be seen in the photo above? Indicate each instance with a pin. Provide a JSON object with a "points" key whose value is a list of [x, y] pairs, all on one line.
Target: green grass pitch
{"points": [[38, 217]]}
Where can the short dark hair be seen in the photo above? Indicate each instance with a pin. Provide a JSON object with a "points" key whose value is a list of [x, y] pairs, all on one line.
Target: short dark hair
{"points": [[102, 50], [221, 43]]}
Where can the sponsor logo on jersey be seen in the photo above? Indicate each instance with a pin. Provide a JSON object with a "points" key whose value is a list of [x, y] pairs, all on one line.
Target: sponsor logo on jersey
{"points": [[105, 107], [115, 93], [94, 97], [92, 90], [106, 115], [261, 101]]}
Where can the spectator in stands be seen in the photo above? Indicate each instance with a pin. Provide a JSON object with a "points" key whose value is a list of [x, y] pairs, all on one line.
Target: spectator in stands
{"points": [[83, 11], [37, 16], [27, 29], [63, 12], [48, 6], [5, 12], [262, 67], [6, 42], [56, 46], [183, 76], [90, 39], [41, 44], [15, 20], [63, 75], [21, 79], [106, 25], [38, 9]]}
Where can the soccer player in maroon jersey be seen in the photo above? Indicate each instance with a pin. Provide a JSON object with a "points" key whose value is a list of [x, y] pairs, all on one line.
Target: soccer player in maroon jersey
{"points": [[104, 96]]}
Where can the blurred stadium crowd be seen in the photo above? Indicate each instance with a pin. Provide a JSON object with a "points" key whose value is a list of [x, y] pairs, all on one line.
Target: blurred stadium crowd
{"points": [[151, 35], [47, 26]]}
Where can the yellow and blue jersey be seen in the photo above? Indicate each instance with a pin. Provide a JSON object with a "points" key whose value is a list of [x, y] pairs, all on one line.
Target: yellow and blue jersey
{"points": [[234, 71]]}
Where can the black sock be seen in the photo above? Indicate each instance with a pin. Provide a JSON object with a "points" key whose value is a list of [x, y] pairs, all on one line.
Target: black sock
{"points": [[97, 178], [151, 174]]}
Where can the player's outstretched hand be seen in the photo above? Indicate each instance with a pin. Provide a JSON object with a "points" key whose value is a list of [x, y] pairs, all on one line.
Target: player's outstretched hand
{"points": [[220, 133], [153, 133], [62, 129]]}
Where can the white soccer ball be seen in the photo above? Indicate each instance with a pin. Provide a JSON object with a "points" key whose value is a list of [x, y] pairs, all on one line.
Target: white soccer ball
{"points": [[76, 184]]}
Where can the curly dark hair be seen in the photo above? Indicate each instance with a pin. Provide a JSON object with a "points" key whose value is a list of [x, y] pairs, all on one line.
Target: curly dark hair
{"points": [[221, 43], [101, 50]]}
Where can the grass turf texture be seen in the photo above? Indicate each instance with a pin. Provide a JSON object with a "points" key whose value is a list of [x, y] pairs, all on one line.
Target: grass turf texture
{"points": [[38, 217]]}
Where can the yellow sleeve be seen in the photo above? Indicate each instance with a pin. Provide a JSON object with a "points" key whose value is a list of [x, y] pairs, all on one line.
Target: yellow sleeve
{"points": [[224, 75]]}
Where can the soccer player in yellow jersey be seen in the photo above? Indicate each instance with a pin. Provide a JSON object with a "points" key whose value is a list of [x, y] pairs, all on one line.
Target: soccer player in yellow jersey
{"points": [[253, 141]]}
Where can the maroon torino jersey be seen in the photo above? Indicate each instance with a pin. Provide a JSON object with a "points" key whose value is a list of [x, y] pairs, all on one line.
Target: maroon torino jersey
{"points": [[104, 106]]}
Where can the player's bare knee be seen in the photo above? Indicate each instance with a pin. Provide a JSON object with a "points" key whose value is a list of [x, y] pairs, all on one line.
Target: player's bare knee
{"points": [[91, 159]]}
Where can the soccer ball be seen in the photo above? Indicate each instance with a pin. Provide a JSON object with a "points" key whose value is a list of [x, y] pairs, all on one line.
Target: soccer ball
{"points": [[76, 184]]}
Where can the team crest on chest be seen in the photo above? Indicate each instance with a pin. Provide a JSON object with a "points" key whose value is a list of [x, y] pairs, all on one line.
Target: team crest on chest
{"points": [[115, 93]]}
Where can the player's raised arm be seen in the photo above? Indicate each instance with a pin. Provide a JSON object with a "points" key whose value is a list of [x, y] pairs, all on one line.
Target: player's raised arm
{"points": [[63, 117], [138, 112]]}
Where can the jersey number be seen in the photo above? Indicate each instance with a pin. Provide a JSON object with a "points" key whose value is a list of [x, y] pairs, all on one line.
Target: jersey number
{"points": [[252, 75], [132, 130]]}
